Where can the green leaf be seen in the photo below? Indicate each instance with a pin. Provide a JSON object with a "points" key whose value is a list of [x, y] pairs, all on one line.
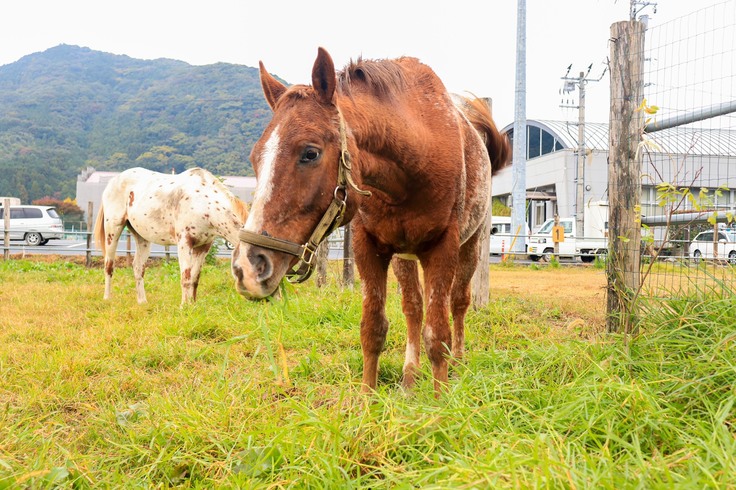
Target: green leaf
{"points": [[258, 461]]}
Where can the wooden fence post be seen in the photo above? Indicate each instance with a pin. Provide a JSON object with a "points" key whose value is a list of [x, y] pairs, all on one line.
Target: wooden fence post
{"points": [[624, 175], [348, 271], [480, 285], [90, 231], [6, 230], [320, 266]]}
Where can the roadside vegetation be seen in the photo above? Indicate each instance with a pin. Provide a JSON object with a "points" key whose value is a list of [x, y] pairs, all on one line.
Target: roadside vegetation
{"points": [[234, 394]]}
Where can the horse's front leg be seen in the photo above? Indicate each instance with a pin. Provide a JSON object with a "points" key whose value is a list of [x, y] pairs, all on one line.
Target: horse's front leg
{"points": [[407, 273], [439, 264], [142, 252], [373, 269]]}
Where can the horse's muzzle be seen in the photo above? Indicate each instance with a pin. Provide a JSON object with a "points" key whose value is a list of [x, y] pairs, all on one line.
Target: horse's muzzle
{"points": [[255, 271]]}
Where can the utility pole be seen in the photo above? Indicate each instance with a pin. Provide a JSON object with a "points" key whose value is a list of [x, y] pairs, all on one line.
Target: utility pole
{"points": [[636, 6], [571, 83], [518, 214]]}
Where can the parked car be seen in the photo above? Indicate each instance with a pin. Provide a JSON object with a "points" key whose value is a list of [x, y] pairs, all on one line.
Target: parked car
{"points": [[502, 237], [34, 224], [702, 246], [221, 243]]}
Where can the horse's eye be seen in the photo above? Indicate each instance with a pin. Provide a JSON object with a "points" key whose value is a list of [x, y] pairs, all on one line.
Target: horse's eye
{"points": [[309, 155]]}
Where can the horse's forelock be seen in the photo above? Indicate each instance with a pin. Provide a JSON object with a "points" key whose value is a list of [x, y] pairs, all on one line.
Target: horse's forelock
{"points": [[295, 94]]}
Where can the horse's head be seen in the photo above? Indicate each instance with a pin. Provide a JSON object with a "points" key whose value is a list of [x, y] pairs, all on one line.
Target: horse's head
{"points": [[301, 177]]}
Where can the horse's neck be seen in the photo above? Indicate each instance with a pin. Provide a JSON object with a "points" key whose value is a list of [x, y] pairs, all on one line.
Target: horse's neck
{"points": [[376, 129], [387, 148]]}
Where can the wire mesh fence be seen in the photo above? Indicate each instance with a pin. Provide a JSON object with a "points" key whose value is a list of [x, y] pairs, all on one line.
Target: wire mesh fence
{"points": [[688, 155]]}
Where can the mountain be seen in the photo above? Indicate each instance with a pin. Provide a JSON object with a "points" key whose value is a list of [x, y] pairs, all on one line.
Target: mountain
{"points": [[70, 107]]}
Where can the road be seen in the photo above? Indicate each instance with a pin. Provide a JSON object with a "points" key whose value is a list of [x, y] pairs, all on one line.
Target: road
{"points": [[79, 247]]}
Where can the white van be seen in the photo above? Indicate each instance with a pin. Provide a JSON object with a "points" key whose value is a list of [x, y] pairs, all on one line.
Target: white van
{"points": [[34, 224], [502, 237]]}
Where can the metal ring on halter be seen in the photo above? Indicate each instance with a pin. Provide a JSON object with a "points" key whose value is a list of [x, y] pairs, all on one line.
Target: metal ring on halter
{"points": [[344, 191]]}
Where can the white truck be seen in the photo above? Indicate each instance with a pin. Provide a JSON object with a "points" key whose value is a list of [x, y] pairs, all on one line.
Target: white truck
{"points": [[503, 237], [587, 245]]}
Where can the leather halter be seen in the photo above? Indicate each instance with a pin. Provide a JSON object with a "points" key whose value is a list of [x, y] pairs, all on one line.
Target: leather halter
{"points": [[331, 219]]}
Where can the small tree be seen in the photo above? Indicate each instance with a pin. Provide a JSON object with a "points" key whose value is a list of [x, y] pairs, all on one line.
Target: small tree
{"points": [[67, 208]]}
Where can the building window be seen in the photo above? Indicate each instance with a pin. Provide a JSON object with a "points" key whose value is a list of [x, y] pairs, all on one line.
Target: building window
{"points": [[548, 143], [538, 142], [540, 214], [534, 142]]}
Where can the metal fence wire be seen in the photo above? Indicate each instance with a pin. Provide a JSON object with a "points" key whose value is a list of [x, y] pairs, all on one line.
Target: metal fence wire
{"points": [[688, 156]]}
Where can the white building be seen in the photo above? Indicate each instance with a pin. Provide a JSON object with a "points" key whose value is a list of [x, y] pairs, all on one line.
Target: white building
{"points": [[686, 157]]}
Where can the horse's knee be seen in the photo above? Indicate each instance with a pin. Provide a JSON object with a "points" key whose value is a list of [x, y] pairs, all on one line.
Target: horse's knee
{"points": [[460, 295], [373, 332]]}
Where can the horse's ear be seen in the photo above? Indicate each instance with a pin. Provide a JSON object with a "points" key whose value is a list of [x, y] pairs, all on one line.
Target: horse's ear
{"points": [[323, 77], [272, 88]]}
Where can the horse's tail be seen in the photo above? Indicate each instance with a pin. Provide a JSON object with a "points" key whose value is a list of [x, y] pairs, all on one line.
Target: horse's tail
{"points": [[479, 115], [99, 232]]}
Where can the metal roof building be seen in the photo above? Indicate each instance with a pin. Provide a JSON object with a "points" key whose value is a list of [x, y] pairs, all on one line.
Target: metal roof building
{"points": [[685, 156]]}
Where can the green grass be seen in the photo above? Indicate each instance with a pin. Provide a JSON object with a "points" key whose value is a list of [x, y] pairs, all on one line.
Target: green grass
{"points": [[97, 394]]}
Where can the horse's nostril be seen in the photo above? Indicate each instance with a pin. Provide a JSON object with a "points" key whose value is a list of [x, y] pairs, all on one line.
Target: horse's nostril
{"points": [[260, 263], [263, 268]]}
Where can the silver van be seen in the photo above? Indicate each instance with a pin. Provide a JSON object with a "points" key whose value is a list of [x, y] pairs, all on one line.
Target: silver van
{"points": [[34, 224]]}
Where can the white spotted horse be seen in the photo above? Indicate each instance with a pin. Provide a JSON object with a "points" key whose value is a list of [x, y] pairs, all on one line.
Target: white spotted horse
{"points": [[188, 210]]}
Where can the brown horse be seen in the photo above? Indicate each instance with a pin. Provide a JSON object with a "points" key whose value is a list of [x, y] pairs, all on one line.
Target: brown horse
{"points": [[382, 144]]}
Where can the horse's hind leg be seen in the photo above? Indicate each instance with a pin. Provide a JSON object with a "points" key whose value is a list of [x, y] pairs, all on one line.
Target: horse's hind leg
{"points": [[439, 264], [407, 273], [111, 247], [461, 293], [191, 261], [142, 251]]}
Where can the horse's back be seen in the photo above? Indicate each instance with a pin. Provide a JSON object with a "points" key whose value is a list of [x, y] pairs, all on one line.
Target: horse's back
{"points": [[442, 148]]}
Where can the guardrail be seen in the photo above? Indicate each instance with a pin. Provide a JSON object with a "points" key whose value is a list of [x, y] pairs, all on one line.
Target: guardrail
{"points": [[82, 243]]}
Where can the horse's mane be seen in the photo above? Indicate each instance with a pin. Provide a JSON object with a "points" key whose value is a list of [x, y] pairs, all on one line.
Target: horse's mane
{"points": [[241, 208], [384, 78]]}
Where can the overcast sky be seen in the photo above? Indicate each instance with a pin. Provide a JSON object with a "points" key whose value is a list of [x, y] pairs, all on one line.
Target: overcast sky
{"points": [[471, 44]]}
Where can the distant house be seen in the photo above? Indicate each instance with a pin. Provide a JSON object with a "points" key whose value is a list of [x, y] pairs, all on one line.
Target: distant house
{"points": [[91, 183], [686, 157], [13, 201]]}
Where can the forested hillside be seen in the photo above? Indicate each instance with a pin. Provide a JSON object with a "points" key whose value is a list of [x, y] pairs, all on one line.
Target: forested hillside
{"points": [[70, 107]]}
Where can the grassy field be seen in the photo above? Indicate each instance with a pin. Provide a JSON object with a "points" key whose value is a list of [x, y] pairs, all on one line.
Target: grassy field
{"points": [[233, 394]]}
